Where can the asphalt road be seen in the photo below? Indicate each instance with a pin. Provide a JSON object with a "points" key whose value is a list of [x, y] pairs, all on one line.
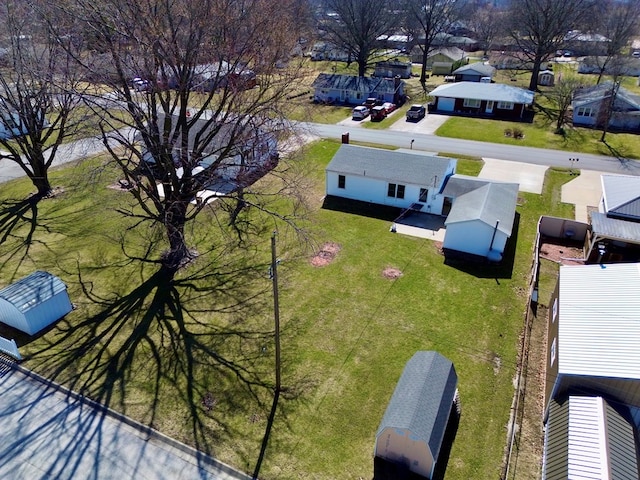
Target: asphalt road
{"points": [[432, 143]]}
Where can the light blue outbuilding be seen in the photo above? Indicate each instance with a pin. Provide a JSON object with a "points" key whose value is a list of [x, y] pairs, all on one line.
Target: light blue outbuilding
{"points": [[34, 302]]}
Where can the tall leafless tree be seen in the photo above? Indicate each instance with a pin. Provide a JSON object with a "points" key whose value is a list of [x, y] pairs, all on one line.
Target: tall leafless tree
{"points": [[539, 27], [205, 110], [487, 23], [561, 97], [38, 94], [430, 19], [619, 23], [356, 27]]}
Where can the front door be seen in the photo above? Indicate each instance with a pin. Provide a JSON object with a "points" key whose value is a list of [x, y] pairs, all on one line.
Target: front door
{"points": [[489, 108]]}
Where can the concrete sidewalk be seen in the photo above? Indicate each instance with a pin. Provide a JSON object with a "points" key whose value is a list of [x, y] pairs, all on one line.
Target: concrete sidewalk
{"points": [[48, 434]]}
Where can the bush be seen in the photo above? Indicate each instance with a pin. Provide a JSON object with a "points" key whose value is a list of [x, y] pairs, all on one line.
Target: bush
{"points": [[508, 132], [518, 133]]}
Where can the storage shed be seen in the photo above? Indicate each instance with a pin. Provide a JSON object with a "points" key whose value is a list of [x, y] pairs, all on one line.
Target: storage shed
{"points": [[34, 302], [414, 424]]}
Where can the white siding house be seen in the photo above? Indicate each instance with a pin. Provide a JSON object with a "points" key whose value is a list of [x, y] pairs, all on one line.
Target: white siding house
{"points": [[590, 103], [387, 177], [481, 218], [34, 302]]}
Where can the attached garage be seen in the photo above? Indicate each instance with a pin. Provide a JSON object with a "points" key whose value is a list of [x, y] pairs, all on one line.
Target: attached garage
{"points": [[413, 426], [446, 104], [34, 302]]}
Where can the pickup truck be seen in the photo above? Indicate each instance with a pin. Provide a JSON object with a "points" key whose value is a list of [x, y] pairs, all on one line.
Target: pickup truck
{"points": [[416, 112]]}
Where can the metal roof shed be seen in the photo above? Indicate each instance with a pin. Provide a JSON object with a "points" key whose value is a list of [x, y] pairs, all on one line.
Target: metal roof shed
{"points": [[414, 424], [34, 302]]}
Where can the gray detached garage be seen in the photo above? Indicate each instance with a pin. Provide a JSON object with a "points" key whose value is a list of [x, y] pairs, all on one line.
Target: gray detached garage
{"points": [[34, 302], [414, 424]]}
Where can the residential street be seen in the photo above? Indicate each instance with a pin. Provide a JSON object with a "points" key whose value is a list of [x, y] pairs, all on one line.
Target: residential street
{"points": [[432, 143]]}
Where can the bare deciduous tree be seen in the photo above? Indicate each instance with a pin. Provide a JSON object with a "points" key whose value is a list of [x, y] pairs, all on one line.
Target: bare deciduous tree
{"points": [[487, 24], [38, 106], [205, 111], [539, 27], [561, 96], [431, 18], [357, 26]]}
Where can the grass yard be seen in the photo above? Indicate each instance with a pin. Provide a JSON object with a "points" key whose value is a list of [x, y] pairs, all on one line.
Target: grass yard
{"points": [[200, 370]]}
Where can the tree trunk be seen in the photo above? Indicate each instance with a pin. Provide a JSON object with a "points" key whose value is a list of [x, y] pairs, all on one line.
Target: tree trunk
{"points": [[40, 179], [362, 66], [423, 69], [533, 83], [178, 254]]}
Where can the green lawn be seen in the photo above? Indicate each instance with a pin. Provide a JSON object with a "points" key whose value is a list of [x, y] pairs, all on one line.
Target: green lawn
{"points": [[347, 331]]}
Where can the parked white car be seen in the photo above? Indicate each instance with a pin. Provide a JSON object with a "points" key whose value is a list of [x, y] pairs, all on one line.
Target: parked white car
{"points": [[360, 113]]}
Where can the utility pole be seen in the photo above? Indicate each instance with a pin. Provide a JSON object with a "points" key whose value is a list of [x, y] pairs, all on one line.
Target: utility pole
{"points": [[276, 307]]}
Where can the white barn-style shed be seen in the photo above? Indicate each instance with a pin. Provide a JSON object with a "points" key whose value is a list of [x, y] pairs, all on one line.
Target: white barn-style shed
{"points": [[414, 424], [481, 218], [34, 302], [386, 177]]}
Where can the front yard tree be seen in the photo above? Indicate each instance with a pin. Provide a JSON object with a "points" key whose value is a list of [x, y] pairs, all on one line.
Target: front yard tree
{"points": [[619, 23], [36, 94], [356, 26], [539, 28], [561, 96], [429, 19], [204, 110]]}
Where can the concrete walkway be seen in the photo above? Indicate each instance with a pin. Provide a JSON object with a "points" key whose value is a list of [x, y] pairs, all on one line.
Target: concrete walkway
{"points": [[584, 191], [47, 434]]}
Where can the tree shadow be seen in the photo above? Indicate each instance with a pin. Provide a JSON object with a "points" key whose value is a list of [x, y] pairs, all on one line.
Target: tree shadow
{"points": [[156, 333], [624, 160], [14, 215]]}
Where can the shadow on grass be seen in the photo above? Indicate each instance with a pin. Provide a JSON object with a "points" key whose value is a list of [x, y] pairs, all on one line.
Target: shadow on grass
{"points": [[152, 346], [13, 216], [364, 209], [623, 157], [480, 267]]}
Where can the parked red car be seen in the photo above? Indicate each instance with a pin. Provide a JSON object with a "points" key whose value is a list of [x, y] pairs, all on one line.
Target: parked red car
{"points": [[389, 107]]}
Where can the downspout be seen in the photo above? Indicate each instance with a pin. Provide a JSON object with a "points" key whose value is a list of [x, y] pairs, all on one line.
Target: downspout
{"points": [[494, 234]]}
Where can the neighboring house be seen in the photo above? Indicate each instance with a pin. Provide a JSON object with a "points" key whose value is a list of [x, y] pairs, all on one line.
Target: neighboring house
{"points": [[211, 76], [412, 429], [614, 233], [10, 124], [353, 90], [627, 66], [481, 217], [588, 437], [474, 72], [395, 42], [581, 43], [593, 334], [482, 99], [590, 104], [448, 55], [392, 69], [248, 160], [386, 177], [34, 302]]}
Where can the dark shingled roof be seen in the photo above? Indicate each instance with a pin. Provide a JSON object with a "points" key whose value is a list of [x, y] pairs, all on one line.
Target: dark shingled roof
{"points": [[388, 165], [458, 185], [354, 83], [422, 400]]}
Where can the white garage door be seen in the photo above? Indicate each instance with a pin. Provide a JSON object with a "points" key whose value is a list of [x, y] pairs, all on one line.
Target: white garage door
{"points": [[446, 104]]}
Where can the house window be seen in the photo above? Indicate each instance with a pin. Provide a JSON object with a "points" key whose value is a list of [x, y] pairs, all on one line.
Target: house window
{"points": [[585, 112], [471, 103], [341, 181], [553, 352], [505, 105], [395, 191], [424, 193]]}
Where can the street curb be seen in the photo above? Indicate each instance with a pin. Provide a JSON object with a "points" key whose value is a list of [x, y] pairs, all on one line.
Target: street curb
{"points": [[151, 433]]}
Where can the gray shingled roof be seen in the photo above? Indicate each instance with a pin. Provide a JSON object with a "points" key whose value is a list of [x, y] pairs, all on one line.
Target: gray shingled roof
{"points": [[400, 167], [354, 83], [625, 100], [491, 203], [458, 185], [422, 400], [621, 196], [498, 92], [481, 69], [604, 226]]}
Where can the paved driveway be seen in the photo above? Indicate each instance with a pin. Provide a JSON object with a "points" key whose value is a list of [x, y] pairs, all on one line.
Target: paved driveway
{"points": [[584, 191], [529, 176], [427, 126], [49, 435]]}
